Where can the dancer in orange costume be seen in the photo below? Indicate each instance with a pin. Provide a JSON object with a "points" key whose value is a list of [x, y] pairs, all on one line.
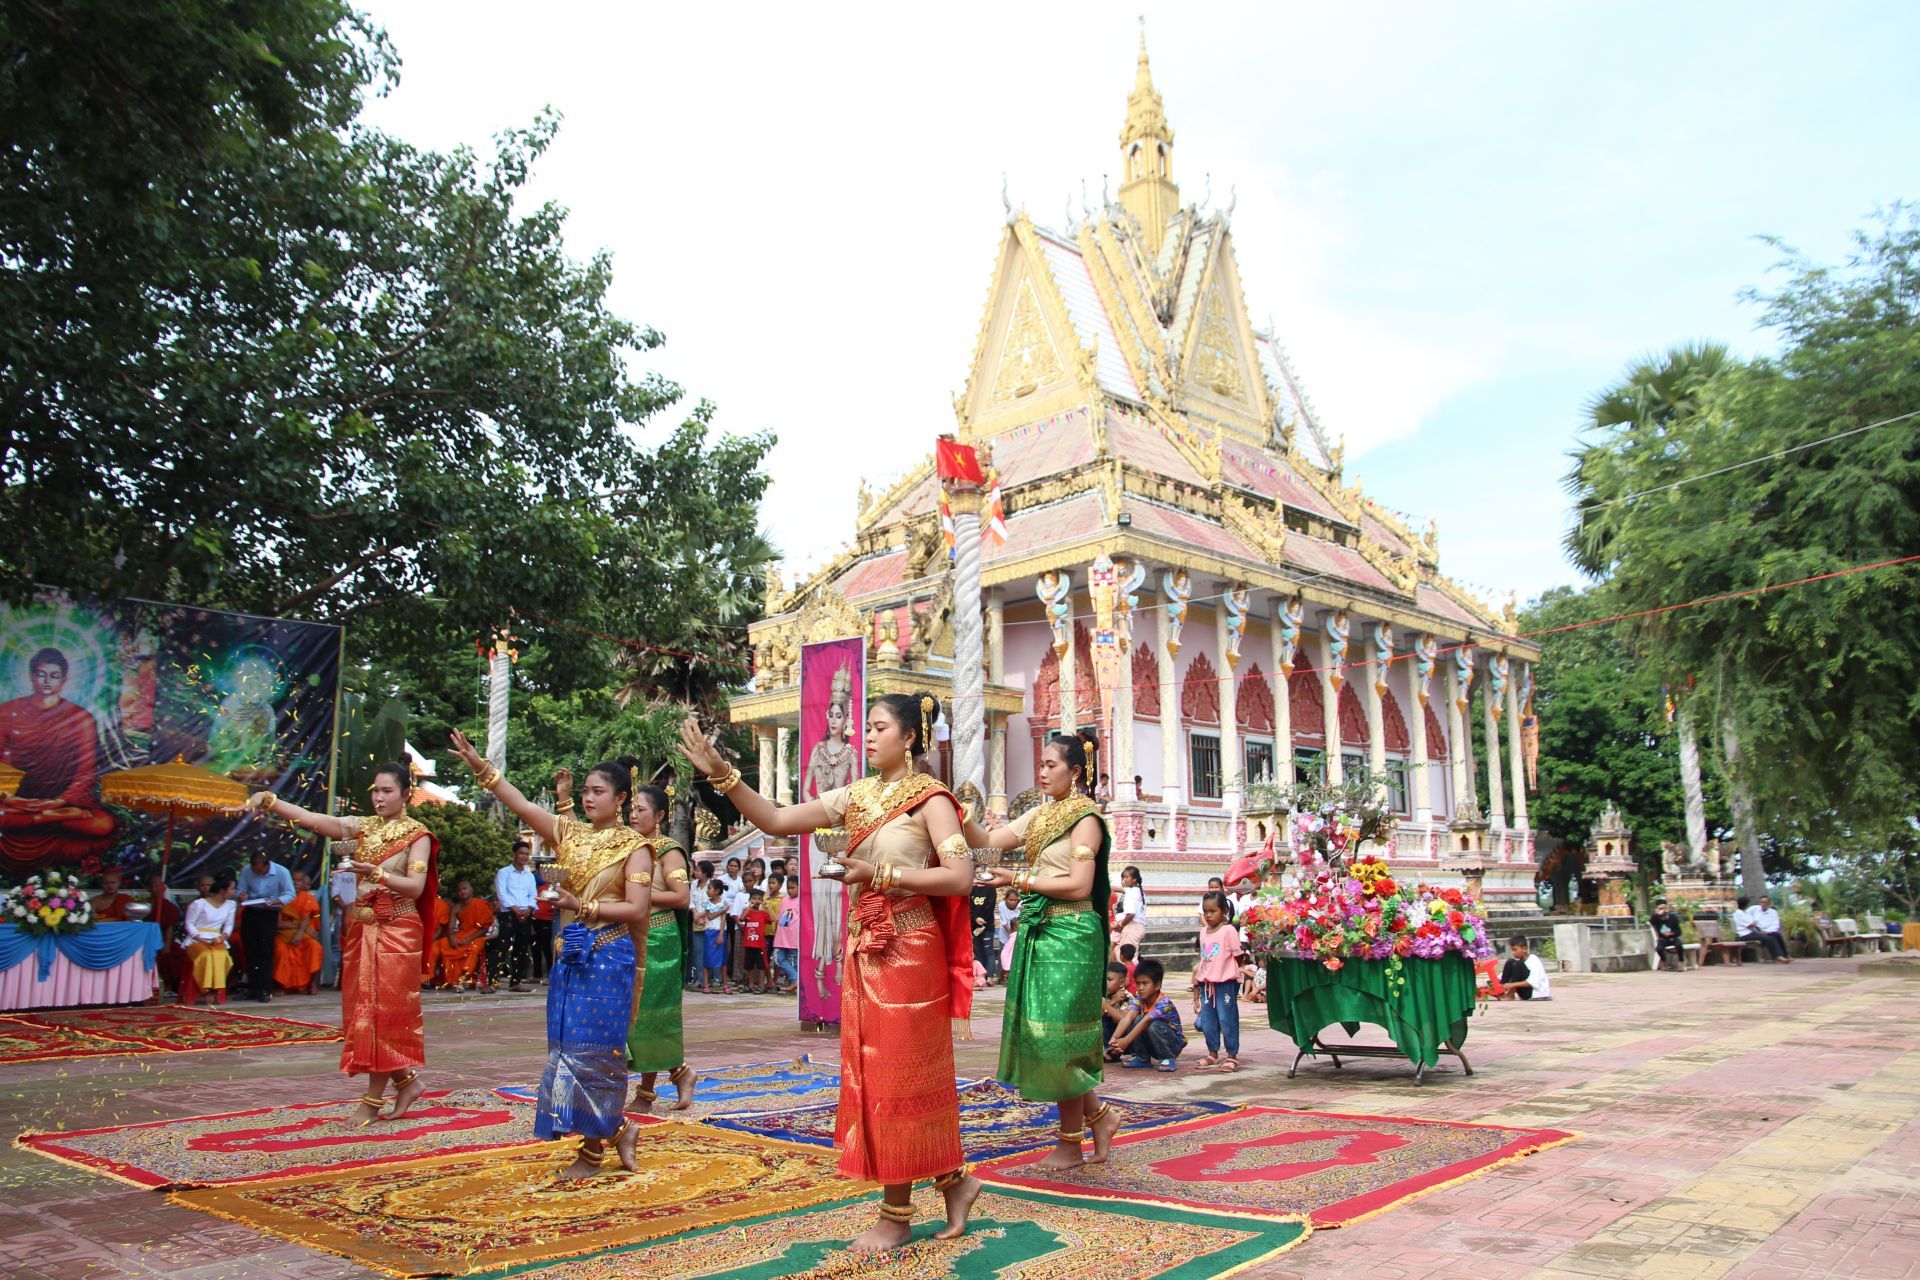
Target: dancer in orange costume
{"points": [[384, 938], [909, 961], [296, 951]]}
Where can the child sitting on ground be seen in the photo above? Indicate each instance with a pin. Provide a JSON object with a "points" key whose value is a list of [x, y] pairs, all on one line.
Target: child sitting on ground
{"points": [[1150, 1035], [1116, 1005]]}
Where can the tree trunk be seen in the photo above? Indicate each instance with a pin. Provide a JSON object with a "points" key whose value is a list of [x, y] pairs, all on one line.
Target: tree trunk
{"points": [[1690, 786], [1753, 876]]}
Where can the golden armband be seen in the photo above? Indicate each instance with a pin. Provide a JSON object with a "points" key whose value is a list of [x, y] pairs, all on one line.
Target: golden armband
{"points": [[955, 847], [1081, 853]]}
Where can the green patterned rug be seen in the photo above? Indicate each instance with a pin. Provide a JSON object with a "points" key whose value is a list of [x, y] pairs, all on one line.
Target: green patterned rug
{"points": [[1013, 1233]]}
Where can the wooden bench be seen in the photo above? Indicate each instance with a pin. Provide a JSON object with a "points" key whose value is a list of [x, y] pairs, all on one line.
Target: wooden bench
{"points": [[1713, 942], [1836, 942]]}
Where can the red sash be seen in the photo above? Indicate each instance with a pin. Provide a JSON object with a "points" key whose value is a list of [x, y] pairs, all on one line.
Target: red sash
{"points": [[950, 912]]}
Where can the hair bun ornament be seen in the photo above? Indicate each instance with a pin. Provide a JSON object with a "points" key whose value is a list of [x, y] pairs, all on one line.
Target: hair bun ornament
{"points": [[926, 722], [1092, 747]]}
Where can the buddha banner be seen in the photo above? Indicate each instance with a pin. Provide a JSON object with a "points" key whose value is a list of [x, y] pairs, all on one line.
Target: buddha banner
{"points": [[833, 679], [88, 689]]}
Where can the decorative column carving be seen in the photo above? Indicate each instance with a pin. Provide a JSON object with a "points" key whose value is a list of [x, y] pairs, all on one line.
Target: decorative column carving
{"points": [[997, 767], [967, 718], [1424, 649], [1333, 653], [1516, 754], [1459, 695], [1226, 626], [1491, 695], [782, 780], [1381, 637], [1132, 575], [1172, 731], [763, 738], [1287, 616]]}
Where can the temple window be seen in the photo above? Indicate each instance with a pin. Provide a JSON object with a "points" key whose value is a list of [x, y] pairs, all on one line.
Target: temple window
{"points": [[1307, 765], [1258, 759], [1397, 785], [1203, 751]]}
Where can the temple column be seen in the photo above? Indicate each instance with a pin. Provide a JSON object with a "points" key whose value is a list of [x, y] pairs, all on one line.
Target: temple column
{"points": [[1069, 680], [1171, 728], [1376, 676], [1122, 769], [1330, 678], [1231, 765], [997, 766], [1417, 731], [763, 738], [1496, 791], [1516, 753], [782, 781], [997, 635], [1457, 747], [1282, 707]]}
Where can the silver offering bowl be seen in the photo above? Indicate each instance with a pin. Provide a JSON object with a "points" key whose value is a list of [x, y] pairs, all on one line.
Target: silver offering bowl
{"points": [[551, 873], [831, 841]]}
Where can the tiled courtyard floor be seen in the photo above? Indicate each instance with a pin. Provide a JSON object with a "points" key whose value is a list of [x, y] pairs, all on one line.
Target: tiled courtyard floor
{"points": [[1761, 1121]]}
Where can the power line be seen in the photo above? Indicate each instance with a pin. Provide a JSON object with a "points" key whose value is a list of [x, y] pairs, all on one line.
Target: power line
{"points": [[1750, 462]]}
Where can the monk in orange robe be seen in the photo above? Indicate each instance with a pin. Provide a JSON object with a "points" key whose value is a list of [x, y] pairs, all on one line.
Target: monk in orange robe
{"points": [[466, 935], [110, 905], [296, 951], [56, 812], [437, 920]]}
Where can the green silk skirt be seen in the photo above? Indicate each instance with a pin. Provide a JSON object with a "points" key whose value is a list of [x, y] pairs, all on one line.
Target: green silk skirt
{"points": [[656, 1041], [1050, 1039]]}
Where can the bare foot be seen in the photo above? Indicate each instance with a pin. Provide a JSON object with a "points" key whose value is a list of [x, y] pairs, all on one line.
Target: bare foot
{"points": [[684, 1081], [1103, 1130], [407, 1094], [960, 1198], [580, 1169], [881, 1236], [1065, 1155], [366, 1113], [629, 1138]]}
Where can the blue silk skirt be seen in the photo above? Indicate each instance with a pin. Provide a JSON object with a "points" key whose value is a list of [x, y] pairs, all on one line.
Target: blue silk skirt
{"points": [[589, 1008]]}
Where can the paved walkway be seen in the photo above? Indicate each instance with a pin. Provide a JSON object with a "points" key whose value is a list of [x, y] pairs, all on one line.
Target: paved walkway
{"points": [[1755, 1122]]}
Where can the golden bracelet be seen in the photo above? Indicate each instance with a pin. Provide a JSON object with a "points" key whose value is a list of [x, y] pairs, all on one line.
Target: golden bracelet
{"points": [[488, 777], [726, 781], [590, 911], [379, 875]]}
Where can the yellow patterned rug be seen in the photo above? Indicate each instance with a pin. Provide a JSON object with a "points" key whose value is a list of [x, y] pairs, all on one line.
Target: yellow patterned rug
{"points": [[453, 1215], [1014, 1235]]}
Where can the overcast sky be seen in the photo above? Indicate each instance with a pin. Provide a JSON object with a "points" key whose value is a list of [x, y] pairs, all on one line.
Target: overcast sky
{"points": [[1463, 220]]}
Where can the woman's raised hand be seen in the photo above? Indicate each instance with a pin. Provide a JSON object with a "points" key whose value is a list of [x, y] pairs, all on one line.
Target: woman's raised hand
{"points": [[699, 752], [463, 748], [562, 786], [261, 802]]}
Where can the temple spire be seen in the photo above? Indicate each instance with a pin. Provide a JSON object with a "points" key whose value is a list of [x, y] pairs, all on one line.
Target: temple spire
{"points": [[1147, 190]]}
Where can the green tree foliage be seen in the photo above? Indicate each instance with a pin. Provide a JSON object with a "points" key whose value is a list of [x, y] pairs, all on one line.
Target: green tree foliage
{"points": [[265, 358], [472, 844], [1603, 730], [1817, 678]]}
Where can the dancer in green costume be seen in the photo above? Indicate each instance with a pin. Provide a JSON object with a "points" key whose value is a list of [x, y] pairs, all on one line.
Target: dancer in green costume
{"points": [[656, 1042], [1050, 1042]]}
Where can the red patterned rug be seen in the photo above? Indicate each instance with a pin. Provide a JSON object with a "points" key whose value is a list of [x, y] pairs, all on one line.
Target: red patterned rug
{"points": [[92, 1033], [1334, 1169], [272, 1142]]}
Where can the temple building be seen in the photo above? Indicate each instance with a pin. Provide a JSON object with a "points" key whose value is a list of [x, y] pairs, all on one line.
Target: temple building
{"points": [[1188, 571]]}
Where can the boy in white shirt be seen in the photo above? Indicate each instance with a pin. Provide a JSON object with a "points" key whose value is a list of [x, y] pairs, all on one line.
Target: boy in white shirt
{"points": [[1524, 976]]}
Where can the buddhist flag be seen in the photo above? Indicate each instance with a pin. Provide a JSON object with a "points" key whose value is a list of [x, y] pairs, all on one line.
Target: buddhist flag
{"points": [[996, 510], [946, 523]]}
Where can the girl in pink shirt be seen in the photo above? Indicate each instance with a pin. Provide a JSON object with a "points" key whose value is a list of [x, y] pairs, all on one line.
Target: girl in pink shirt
{"points": [[786, 933], [1216, 983]]}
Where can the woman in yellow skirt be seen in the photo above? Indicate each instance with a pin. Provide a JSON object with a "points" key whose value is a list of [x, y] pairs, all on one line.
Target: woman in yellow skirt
{"points": [[209, 922]]}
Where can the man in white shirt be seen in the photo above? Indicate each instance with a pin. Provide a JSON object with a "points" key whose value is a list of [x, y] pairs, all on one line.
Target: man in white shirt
{"points": [[514, 903], [1742, 919], [1524, 975], [1763, 927]]}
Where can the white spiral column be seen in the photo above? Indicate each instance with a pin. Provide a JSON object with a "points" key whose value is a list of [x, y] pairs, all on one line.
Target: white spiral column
{"points": [[967, 718], [500, 681]]}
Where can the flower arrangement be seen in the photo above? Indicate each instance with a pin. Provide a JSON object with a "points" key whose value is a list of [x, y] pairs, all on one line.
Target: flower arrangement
{"points": [[1347, 905], [54, 902]]}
